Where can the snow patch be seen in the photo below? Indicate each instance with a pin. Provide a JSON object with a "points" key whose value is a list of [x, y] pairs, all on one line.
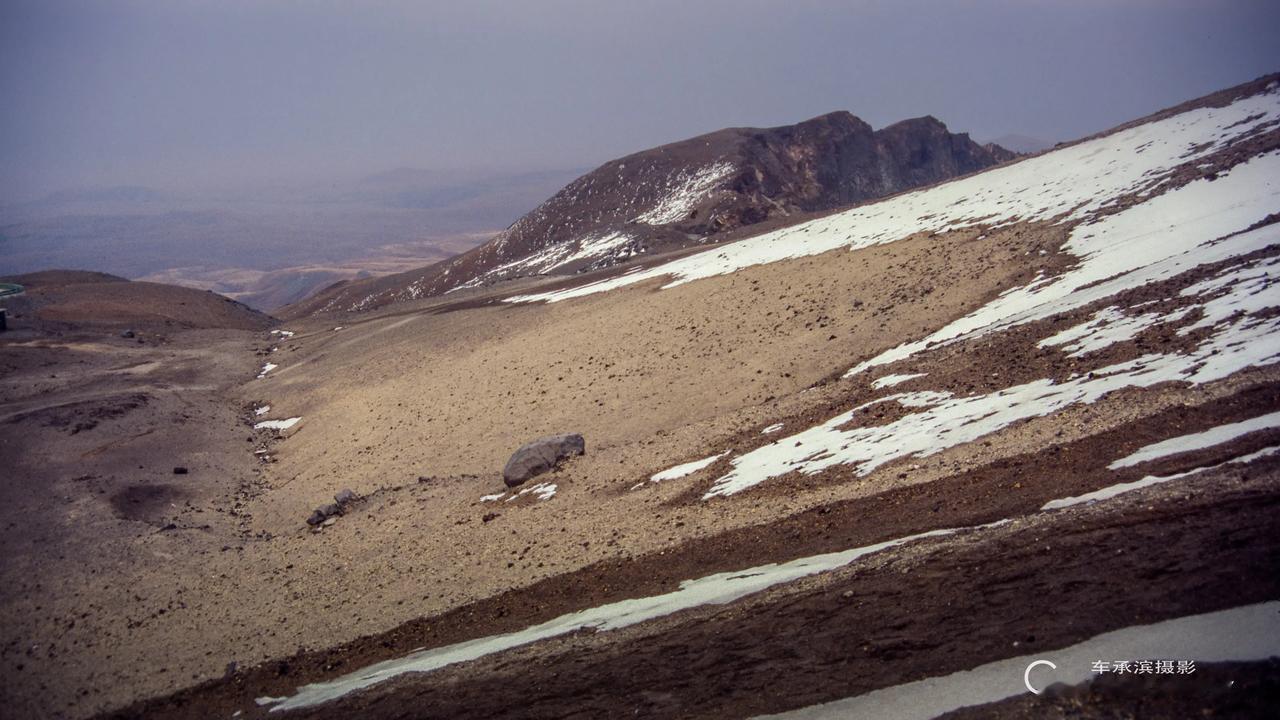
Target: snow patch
{"points": [[1243, 634], [276, 424], [1241, 342], [1146, 243], [596, 246], [688, 188], [891, 380], [542, 491], [1121, 488], [1107, 327], [688, 468], [717, 589], [1198, 441]]}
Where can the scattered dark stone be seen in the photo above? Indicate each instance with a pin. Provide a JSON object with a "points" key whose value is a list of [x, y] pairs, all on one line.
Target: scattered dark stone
{"points": [[342, 497], [322, 513], [128, 334], [540, 456], [180, 470], [489, 516], [232, 668]]}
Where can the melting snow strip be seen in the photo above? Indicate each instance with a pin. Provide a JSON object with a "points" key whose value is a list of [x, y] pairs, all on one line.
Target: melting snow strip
{"points": [[266, 369], [690, 188], [262, 410], [891, 380], [717, 589], [1198, 441], [1243, 634], [1107, 327], [772, 429], [1121, 488], [276, 424], [542, 491], [688, 468], [1148, 242], [1237, 342]]}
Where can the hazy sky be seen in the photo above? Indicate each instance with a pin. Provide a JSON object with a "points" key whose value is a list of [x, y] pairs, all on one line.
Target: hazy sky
{"points": [[191, 93]]}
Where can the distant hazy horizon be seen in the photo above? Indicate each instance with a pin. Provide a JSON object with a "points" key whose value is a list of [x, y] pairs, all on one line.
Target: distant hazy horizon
{"points": [[196, 94]]}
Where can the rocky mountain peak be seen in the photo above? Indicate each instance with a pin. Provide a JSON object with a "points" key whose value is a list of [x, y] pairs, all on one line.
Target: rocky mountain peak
{"points": [[686, 193]]}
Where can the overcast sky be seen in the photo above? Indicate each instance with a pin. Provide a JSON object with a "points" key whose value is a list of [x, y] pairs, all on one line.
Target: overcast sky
{"points": [[193, 93]]}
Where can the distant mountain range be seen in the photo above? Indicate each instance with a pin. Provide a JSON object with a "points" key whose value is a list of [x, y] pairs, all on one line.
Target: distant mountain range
{"points": [[269, 247], [686, 193]]}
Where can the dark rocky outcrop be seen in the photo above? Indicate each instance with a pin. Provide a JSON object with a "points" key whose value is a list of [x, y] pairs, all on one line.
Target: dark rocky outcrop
{"points": [[687, 192], [323, 514], [540, 456]]}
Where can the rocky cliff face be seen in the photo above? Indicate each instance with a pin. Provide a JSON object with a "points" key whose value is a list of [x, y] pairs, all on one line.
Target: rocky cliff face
{"points": [[686, 192]]}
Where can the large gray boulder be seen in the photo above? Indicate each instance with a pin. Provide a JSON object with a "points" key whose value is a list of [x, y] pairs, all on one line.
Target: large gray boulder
{"points": [[541, 455]]}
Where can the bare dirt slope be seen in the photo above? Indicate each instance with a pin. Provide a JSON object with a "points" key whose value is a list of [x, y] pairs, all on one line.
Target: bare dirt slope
{"points": [[1065, 371], [112, 447]]}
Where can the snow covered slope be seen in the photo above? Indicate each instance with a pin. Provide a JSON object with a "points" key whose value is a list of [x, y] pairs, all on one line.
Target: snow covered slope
{"points": [[1196, 191]]}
